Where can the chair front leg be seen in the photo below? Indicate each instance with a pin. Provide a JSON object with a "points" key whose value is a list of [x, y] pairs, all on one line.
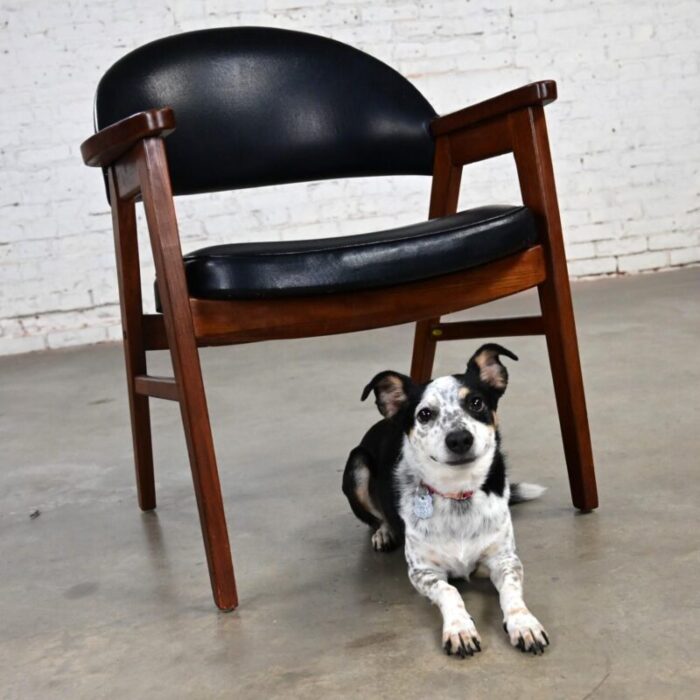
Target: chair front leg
{"points": [[536, 176], [205, 475], [179, 325], [562, 345]]}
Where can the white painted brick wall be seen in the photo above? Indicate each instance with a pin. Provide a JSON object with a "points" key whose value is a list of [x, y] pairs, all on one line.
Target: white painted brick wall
{"points": [[624, 135]]}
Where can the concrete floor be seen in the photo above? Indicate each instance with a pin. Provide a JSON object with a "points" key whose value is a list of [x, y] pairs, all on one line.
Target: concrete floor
{"points": [[99, 600]]}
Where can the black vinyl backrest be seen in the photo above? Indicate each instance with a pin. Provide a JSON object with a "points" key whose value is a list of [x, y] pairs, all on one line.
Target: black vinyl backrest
{"points": [[260, 106]]}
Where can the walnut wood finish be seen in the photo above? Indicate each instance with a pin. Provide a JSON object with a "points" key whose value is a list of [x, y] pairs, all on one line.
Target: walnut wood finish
{"points": [[107, 145], [490, 328], [444, 195], [221, 322], [158, 387], [245, 321], [515, 123], [129, 277], [167, 255], [536, 176], [134, 155], [485, 140], [535, 94]]}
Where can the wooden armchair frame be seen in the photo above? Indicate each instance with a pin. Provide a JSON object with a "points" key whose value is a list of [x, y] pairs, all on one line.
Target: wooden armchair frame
{"points": [[132, 152]]}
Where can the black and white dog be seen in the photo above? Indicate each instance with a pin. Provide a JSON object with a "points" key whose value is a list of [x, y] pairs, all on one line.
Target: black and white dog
{"points": [[431, 474]]}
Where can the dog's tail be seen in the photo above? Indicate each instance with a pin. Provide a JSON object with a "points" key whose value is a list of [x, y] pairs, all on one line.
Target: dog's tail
{"points": [[525, 492]]}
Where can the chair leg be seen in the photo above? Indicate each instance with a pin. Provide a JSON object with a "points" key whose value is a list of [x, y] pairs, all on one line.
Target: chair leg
{"points": [[534, 164], [140, 427], [562, 345], [179, 326], [128, 275], [423, 351], [205, 475]]}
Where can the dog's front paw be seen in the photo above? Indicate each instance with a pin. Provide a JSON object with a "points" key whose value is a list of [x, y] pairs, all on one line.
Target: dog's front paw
{"points": [[525, 632], [459, 637]]}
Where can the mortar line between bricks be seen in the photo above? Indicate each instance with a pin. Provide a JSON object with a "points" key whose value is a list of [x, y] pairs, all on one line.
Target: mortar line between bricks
{"points": [[21, 317]]}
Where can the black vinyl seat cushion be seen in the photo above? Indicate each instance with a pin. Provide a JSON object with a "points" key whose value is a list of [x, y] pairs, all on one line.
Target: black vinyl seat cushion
{"points": [[350, 263]]}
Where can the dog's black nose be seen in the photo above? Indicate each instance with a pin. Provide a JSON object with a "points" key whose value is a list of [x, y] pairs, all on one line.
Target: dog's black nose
{"points": [[459, 441]]}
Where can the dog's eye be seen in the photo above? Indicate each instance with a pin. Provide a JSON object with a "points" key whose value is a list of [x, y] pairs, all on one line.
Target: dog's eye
{"points": [[476, 404], [424, 415]]}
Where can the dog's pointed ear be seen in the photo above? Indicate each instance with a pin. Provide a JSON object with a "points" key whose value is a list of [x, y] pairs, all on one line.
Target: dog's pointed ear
{"points": [[391, 390], [485, 364]]}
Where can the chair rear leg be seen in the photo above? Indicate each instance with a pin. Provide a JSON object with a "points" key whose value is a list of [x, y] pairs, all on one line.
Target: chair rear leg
{"points": [[140, 427], [128, 275], [424, 346], [562, 345], [444, 196]]}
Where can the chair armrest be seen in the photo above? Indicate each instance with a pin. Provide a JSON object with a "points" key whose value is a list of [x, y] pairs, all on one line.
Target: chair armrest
{"points": [[108, 144], [540, 93]]}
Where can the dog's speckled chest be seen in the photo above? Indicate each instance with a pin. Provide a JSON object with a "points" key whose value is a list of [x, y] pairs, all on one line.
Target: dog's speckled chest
{"points": [[458, 533]]}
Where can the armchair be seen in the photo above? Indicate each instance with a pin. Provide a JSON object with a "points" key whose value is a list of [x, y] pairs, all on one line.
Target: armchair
{"points": [[243, 107]]}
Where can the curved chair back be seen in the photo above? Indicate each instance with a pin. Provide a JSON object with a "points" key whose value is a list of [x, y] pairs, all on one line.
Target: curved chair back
{"points": [[258, 106]]}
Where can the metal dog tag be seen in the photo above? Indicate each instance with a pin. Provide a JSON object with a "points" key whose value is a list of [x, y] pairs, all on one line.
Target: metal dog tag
{"points": [[422, 504]]}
